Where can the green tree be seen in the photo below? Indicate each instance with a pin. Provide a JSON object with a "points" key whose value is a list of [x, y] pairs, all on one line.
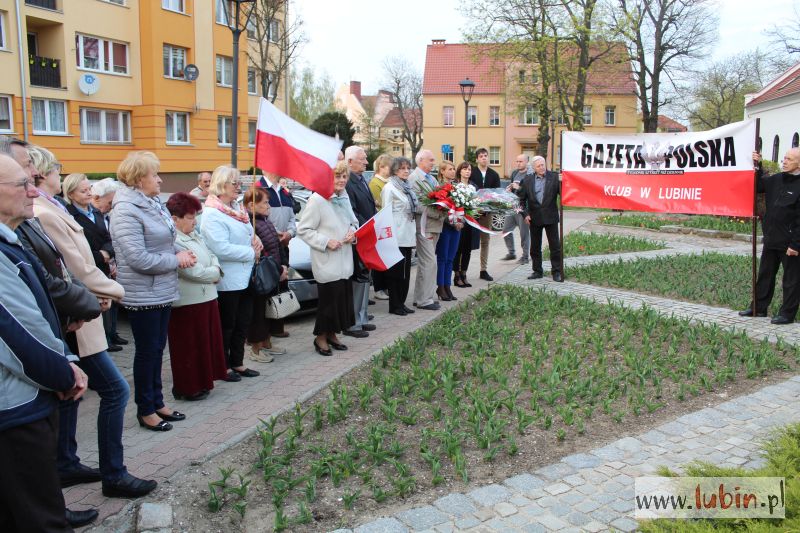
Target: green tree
{"points": [[311, 96], [335, 124]]}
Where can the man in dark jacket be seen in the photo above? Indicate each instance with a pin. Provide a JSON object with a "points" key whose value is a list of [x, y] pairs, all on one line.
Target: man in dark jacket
{"points": [[35, 373], [781, 246], [484, 177], [538, 195]]}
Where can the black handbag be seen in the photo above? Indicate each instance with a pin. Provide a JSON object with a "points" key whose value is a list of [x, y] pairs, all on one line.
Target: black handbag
{"points": [[265, 277]]}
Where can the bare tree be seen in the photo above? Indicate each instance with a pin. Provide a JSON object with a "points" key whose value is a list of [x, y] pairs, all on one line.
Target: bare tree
{"points": [[368, 123], [275, 44], [786, 36], [405, 82], [663, 37]]}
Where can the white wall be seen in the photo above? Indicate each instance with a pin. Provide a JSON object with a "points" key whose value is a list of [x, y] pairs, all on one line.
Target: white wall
{"points": [[779, 117]]}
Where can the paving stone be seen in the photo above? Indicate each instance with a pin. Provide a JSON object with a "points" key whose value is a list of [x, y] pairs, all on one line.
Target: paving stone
{"points": [[520, 501], [525, 483], [581, 460], [556, 471], [445, 528], [551, 522], [342, 531], [154, 516], [456, 504], [578, 519], [603, 515], [629, 444], [622, 506], [422, 517], [625, 524], [484, 514], [534, 528], [532, 510], [467, 522], [595, 527], [383, 525], [572, 498], [587, 506], [490, 494], [505, 509], [557, 488], [609, 453]]}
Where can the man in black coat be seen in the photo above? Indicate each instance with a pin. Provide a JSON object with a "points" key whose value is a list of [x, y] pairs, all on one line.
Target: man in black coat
{"points": [[781, 246], [484, 177], [538, 195]]}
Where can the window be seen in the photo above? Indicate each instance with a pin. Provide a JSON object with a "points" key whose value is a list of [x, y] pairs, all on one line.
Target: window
{"points": [[251, 28], [94, 53], [105, 126], [174, 5], [522, 76], [222, 11], [494, 115], [587, 115], [118, 2], [224, 71], [529, 115], [177, 128], [251, 133], [274, 32], [3, 44], [6, 117], [174, 61], [776, 146], [494, 155], [449, 115], [272, 89], [561, 119], [472, 116], [795, 138], [49, 116], [448, 156], [611, 115], [224, 130], [251, 81]]}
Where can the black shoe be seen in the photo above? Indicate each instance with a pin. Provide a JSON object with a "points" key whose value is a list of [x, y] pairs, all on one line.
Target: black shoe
{"points": [[357, 333], [202, 395], [248, 373], [78, 475], [116, 339], [175, 416], [431, 307], [336, 345], [161, 426], [408, 310], [400, 312], [233, 377], [749, 312], [322, 351], [369, 327], [558, 277], [113, 348], [370, 302], [81, 518], [449, 293], [510, 256], [128, 486], [781, 320], [536, 275], [370, 317], [485, 275]]}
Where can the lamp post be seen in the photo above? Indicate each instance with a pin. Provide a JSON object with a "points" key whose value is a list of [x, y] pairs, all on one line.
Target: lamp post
{"points": [[552, 142], [467, 87], [236, 28]]}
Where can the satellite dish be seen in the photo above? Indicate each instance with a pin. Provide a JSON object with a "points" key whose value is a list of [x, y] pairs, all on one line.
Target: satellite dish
{"points": [[89, 84], [191, 72]]}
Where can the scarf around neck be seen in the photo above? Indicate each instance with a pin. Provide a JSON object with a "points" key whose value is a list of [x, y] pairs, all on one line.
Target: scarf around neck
{"points": [[403, 186], [239, 214]]}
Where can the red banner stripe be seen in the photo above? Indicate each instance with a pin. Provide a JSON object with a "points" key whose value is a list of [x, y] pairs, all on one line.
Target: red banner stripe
{"points": [[276, 156], [366, 246]]}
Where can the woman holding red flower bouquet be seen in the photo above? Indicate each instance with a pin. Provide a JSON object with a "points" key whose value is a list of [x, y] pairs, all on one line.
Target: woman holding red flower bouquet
{"points": [[447, 246], [469, 239]]}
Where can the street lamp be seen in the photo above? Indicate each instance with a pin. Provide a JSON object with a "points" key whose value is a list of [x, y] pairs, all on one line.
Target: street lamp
{"points": [[467, 88], [236, 28]]}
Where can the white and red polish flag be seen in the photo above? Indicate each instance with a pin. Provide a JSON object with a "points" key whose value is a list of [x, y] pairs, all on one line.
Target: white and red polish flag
{"points": [[287, 148], [377, 246]]}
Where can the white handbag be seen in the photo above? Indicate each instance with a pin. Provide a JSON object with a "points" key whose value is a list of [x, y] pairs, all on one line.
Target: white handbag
{"points": [[281, 305]]}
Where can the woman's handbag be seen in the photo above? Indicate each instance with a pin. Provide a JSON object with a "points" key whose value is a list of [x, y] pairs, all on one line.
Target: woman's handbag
{"points": [[282, 305], [265, 277]]}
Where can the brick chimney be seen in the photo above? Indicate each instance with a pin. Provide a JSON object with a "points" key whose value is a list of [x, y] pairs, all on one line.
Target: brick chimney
{"points": [[355, 89]]}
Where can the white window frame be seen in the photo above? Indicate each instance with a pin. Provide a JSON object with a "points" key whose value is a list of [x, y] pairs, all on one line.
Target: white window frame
{"points": [[172, 50], [167, 6], [10, 108], [115, 2], [3, 33], [613, 115], [472, 115], [494, 155], [174, 133], [101, 60], [48, 126], [252, 132], [222, 139], [220, 15], [272, 90], [451, 111], [527, 114], [124, 132], [587, 112], [494, 115], [221, 72], [252, 76], [448, 156], [274, 30]]}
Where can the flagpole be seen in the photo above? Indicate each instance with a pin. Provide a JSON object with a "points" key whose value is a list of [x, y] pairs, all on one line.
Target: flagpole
{"points": [[754, 223]]}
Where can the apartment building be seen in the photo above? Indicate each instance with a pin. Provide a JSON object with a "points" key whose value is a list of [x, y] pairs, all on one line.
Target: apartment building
{"points": [[502, 124], [95, 79]]}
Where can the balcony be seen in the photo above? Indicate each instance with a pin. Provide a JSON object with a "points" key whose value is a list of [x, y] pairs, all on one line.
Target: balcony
{"points": [[45, 71], [46, 4]]}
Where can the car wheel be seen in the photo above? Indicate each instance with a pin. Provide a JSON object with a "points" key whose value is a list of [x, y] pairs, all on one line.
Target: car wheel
{"points": [[498, 221]]}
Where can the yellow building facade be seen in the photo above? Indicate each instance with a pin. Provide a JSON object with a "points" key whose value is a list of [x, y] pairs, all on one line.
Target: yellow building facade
{"points": [[95, 79]]}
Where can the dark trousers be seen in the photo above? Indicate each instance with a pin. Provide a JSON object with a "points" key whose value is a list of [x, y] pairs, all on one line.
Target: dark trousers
{"points": [[446, 250], [765, 282], [556, 265], [398, 279], [30, 494], [149, 329], [110, 321], [235, 314]]}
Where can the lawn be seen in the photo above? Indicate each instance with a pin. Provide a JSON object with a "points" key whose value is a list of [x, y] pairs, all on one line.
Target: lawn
{"points": [[734, 224], [720, 280], [512, 379], [580, 243]]}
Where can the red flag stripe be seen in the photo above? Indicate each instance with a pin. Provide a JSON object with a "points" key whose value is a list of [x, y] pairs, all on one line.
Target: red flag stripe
{"points": [[275, 155], [367, 238]]}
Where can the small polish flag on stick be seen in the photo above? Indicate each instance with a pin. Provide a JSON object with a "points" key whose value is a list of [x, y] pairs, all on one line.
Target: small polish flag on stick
{"points": [[287, 148], [377, 246]]}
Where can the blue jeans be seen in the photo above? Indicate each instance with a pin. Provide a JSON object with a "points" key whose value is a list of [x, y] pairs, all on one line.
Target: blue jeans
{"points": [[106, 380], [149, 329], [445, 253]]}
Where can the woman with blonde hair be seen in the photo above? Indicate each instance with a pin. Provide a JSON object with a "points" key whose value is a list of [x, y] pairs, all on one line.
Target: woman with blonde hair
{"points": [[381, 166], [227, 232], [143, 234]]}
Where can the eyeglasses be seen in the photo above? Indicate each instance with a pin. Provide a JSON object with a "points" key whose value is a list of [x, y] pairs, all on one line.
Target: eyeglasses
{"points": [[26, 183]]}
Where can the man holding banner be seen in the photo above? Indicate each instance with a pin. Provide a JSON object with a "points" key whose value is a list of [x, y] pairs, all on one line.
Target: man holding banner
{"points": [[781, 246]]}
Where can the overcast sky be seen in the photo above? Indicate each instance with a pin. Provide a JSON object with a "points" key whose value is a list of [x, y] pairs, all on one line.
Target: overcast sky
{"points": [[351, 43]]}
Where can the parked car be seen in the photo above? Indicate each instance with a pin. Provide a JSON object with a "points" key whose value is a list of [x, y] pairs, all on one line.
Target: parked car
{"points": [[301, 279]]}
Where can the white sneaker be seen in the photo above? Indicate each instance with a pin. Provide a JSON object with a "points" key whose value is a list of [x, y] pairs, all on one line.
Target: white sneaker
{"points": [[261, 356], [275, 351], [381, 295]]}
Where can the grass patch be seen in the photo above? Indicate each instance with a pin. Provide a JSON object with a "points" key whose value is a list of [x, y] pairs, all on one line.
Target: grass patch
{"points": [[721, 280], [782, 453], [579, 243], [734, 224], [511, 372]]}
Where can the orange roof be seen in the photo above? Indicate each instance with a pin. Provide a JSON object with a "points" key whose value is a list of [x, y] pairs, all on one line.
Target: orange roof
{"points": [[393, 117], [667, 124], [448, 64], [786, 84]]}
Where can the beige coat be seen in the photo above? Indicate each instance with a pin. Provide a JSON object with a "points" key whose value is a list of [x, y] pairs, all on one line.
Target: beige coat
{"points": [[67, 235], [197, 284], [319, 224]]}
